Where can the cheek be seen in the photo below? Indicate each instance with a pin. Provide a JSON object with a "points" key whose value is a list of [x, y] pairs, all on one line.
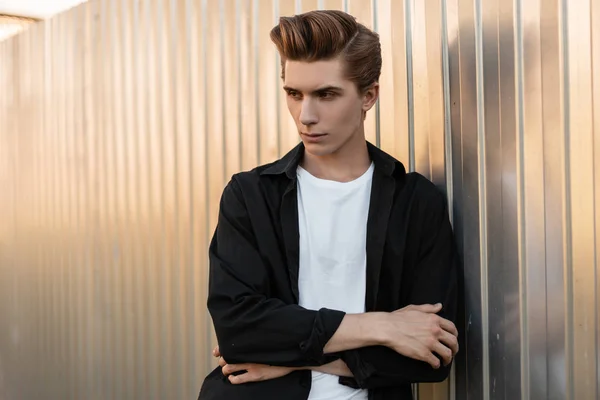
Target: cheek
{"points": [[294, 109], [345, 114]]}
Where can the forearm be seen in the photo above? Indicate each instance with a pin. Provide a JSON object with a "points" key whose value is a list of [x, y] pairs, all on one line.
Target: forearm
{"points": [[361, 337], [356, 331], [275, 334]]}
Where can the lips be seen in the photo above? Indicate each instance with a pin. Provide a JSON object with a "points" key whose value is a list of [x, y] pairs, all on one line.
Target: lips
{"points": [[313, 137]]}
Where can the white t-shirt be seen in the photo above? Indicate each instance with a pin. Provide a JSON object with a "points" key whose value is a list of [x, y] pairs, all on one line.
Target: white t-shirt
{"points": [[332, 217]]}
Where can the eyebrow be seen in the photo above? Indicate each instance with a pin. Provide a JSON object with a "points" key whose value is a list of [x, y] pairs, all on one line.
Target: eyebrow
{"points": [[319, 90]]}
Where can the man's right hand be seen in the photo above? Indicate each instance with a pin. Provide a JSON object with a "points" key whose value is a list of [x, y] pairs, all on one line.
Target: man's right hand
{"points": [[416, 331]]}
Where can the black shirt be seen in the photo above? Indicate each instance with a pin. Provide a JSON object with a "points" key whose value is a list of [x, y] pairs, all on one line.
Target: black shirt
{"points": [[253, 284]]}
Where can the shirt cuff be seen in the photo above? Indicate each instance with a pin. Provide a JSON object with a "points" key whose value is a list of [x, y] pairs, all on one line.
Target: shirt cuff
{"points": [[362, 371], [326, 324]]}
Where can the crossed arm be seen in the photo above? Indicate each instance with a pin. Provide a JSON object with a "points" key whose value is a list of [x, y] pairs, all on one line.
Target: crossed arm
{"points": [[423, 334], [268, 338]]}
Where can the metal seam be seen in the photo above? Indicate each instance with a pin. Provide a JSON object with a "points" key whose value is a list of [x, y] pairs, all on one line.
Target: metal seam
{"points": [[481, 160]]}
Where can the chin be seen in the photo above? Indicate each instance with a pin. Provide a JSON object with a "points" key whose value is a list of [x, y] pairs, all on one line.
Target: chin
{"points": [[319, 149]]}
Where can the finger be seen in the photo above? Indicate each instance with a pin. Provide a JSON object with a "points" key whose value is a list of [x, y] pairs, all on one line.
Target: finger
{"points": [[448, 326], [431, 359], [450, 341], [238, 379], [443, 352], [222, 362], [216, 352], [428, 308], [233, 368], [243, 378], [423, 353]]}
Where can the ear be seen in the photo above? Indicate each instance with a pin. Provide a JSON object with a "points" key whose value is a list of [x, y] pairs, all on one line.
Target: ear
{"points": [[370, 96]]}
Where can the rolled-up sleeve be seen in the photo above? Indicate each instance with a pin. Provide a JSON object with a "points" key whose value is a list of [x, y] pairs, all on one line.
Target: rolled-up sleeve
{"points": [[433, 279], [250, 324]]}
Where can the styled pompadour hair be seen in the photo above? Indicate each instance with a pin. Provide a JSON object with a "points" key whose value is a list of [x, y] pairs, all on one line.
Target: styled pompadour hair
{"points": [[327, 34]]}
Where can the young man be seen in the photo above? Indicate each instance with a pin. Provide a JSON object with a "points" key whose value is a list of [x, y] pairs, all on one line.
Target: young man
{"points": [[332, 270]]}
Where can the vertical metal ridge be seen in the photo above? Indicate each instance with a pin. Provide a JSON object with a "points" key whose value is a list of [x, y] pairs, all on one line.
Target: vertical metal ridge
{"points": [[139, 362], [122, 191], [567, 220], [54, 322], [116, 243], [39, 304], [67, 201], [61, 331], [163, 258], [34, 308], [46, 193], [127, 221], [345, 5], [204, 61], [297, 8], [255, 42], [81, 171], [141, 337], [375, 22], [481, 177], [448, 161], [14, 240], [70, 200], [177, 384], [595, 66], [106, 363], [238, 40], [45, 209], [320, 4], [595, 54], [94, 197], [193, 371], [408, 29], [522, 245], [89, 130], [447, 111], [224, 122], [276, 13], [152, 251]]}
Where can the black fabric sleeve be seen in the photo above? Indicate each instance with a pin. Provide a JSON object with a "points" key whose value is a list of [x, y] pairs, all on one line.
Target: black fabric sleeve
{"points": [[250, 325], [432, 280]]}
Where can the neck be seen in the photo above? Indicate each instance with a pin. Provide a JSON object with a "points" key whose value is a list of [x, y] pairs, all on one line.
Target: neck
{"points": [[348, 163]]}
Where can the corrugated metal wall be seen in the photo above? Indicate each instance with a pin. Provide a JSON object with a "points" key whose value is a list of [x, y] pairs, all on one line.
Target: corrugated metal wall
{"points": [[121, 121], [10, 25]]}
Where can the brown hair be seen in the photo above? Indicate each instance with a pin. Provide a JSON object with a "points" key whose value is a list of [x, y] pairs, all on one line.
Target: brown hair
{"points": [[327, 34]]}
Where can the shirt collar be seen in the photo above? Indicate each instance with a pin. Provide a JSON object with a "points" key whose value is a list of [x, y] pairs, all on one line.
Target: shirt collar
{"points": [[289, 162]]}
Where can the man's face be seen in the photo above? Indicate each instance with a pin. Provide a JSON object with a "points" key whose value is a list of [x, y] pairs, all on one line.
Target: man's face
{"points": [[327, 108]]}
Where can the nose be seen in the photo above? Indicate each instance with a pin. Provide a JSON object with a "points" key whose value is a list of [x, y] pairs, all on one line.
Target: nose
{"points": [[308, 114]]}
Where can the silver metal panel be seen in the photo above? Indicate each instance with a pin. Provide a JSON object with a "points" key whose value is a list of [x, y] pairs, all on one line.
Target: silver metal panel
{"points": [[554, 199], [506, 298], [581, 186], [121, 121], [497, 58]]}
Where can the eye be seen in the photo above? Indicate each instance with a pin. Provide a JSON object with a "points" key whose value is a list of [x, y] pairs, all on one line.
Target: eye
{"points": [[294, 95], [327, 95]]}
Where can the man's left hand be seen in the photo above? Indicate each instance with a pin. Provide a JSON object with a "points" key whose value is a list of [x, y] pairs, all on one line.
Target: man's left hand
{"points": [[254, 372]]}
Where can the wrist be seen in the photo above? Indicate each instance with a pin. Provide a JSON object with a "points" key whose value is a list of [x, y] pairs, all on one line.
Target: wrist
{"points": [[357, 331], [369, 328], [378, 325]]}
